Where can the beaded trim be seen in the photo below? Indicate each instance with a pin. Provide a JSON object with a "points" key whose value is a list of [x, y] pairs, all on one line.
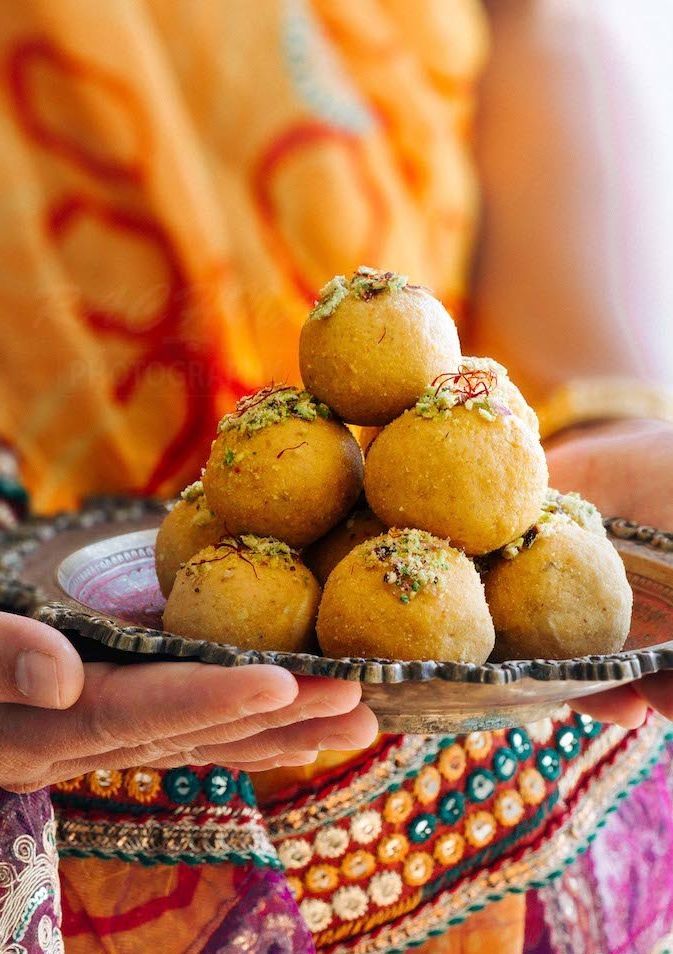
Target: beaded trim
{"points": [[403, 853], [167, 841]]}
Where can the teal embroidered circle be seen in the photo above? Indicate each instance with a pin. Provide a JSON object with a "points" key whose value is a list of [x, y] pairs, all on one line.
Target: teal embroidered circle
{"points": [[520, 743], [182, 785], [587, 726], [452, 807], [480, 785], [446, 741], [549, 764], [421, 828], [246, 789], [568, 741], [504, 763], [219, 786]]}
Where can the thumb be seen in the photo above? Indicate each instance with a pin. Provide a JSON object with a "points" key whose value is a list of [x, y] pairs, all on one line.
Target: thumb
{"points": [[38, 666]]}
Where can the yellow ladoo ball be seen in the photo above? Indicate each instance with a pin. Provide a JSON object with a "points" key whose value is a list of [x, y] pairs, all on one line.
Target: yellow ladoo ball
{"points": [[323, 555], [562, 590], [283, 466], [405, 595], [461, 465], [372, 343], [250, 592], [187, 528]]}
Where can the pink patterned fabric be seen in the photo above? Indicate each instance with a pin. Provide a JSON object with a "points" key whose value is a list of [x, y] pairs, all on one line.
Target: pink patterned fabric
{"points": [[618, 897], [265, 920], [30, 901]]}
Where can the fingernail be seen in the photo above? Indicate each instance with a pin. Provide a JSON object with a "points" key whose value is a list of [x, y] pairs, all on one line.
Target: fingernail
{"points": [[262, 702], [36, 678], [339, 743]]}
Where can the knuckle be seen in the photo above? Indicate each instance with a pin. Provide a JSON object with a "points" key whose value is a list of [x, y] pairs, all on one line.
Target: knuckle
{"points": [[97, 729], [22, 774], [197, 756], [155, 752], [165, 748], [259, 749], [173, 755], [184, 757], [23, 787]]}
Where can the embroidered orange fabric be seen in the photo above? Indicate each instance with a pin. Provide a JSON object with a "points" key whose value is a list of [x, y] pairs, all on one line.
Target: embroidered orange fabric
{"points": [[411, 838]]}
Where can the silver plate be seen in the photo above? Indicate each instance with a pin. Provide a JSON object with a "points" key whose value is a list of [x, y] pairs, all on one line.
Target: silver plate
{"points": [[82, 575]]}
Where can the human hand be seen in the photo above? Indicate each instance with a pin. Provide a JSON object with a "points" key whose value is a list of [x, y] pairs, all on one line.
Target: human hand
{"points": [[626, 469], [60, 718]]}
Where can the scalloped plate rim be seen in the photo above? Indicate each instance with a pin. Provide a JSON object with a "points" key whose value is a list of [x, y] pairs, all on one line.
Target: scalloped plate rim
{"points": [[72, 615]]}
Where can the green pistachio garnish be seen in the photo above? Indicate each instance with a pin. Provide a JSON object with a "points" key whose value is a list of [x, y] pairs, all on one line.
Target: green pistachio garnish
{"points": [[232, 457], [193, 492], [268, 406], [203, 516], [330, 297], [411, 560], [269, 549], [575, 508], [557, 508], [365, 283], [524, 542], [264, 551]]}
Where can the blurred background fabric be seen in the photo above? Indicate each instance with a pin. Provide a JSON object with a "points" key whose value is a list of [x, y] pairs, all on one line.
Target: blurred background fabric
{"points": [[178, 181]]}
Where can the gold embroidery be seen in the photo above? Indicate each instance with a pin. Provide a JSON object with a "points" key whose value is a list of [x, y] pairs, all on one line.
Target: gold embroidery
{"points": [[427, 785], [509, 808], [158, 840], [321, 878], [480, 829], [418, 868], [104, 783], [366, 924], [532, 786], [449, 849], [398, 807], [393, 848], [358, 864], [452, 763], [143, 784]]}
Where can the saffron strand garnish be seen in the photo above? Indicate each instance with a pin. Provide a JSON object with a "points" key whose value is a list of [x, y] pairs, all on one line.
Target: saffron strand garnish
{"points": [[467, 383], [286, 449]]}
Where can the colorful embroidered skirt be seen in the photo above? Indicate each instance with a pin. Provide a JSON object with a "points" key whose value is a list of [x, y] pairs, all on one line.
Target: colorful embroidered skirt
{"points": [[381, 854]]}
